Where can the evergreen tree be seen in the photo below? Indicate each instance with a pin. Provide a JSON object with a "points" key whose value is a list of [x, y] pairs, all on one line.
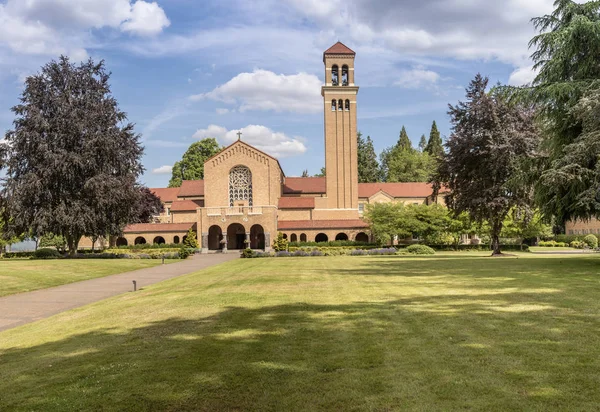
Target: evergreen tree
{"points": [[422, 143], [404, 142], [368, 167], [434, 146], [190, 240], [565, 92], [71, 160], [191, 166], [305, 173], [490, 144]]}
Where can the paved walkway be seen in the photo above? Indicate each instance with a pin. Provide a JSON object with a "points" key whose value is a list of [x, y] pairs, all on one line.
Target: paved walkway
{"points": [[28, 307]]}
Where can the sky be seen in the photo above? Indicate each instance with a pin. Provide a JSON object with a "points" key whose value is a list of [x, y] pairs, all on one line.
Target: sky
{"points": [[184, 70]]}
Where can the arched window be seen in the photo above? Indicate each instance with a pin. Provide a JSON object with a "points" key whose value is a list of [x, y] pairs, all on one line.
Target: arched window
{"points": [[333, 105], [335, 80], [347, 104], [293, 237], [303, 237], [176, 240], [240, 185], [344, 75], [285, 236], [340, 104]]}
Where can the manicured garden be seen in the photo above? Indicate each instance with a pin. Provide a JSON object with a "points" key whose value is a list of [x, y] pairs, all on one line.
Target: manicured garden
{"points": [[444, 332], [24, 275]]}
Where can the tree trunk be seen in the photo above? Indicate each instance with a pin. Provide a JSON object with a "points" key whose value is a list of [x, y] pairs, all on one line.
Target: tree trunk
{"points": [[73, 244], [496, 229]]}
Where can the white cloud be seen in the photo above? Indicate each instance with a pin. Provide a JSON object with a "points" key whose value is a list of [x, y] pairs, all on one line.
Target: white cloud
{"points": [[163, 170], [146, 19], [276, 144], [265, 90], [522, 76], [222, 111], [52, 27], [417, 78]]}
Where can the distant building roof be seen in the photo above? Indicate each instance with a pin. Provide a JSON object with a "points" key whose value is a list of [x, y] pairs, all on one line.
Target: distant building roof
{"points": [[322, 224], [296, 203], [159, 227], [299, 185], [412, 189], [166, 194], [190, 188], [184, 206]]}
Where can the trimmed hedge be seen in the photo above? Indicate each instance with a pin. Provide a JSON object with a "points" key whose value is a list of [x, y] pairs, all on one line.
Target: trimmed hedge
{"points": [[17, 255], [332, 243], [46, 253], [460, 248], [420, 250]]}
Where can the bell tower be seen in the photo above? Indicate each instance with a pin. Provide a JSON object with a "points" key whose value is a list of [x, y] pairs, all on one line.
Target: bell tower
{"points": [[341, 160]]}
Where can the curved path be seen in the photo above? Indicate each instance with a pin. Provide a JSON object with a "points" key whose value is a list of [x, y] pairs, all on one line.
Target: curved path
{"points": [[28, 307]]}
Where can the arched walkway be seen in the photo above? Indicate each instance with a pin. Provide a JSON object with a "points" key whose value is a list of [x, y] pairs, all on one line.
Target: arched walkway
{"points": [[215, 235], [362, 237], [257, 237], [341, 236], [121, 241], [236, 234], [159, 240], [321, 237], [140, 240]]}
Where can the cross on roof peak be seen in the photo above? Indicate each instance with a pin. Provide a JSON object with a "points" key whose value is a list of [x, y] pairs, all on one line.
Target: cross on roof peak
{"points": [[239, 135]]}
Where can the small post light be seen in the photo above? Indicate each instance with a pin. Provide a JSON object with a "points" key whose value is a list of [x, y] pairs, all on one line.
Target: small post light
{"points": [[163, 259], [134, 285]]}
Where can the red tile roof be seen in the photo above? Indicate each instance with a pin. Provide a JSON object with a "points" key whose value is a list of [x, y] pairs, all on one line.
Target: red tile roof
{"points": [[304, 185], [395, 189], [296, 203], [191, 188], [158, 227], [339, 48], [184, 206], [321, 224], [166, 194]]}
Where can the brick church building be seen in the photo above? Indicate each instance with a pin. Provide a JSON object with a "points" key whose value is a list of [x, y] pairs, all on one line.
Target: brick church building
{"points": [[245, 198]]}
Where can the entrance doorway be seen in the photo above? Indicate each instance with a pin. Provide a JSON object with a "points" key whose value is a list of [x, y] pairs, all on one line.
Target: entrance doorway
{"points": [[215, 235], [236, 235], [257, 237]]}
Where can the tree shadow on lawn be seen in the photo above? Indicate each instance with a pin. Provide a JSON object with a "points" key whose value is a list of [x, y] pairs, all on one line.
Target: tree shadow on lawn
{"points": [[430, 352]]}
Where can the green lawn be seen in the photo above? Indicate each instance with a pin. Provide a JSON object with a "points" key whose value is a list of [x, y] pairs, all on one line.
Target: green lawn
{"points": [[447, 332], [24, 275]]}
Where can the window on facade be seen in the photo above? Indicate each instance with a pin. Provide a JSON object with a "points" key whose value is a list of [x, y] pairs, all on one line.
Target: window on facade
{"points": [[361, 207], [333, 105], [344, 75], [347, 105], [340, 104], [240, 185], [168, 211], [335, 80]]}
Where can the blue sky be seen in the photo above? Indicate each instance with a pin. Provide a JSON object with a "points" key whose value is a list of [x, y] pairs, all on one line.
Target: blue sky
{"points": [[187, 69]]}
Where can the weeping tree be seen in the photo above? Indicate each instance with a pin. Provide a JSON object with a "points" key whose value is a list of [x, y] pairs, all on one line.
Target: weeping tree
{"points": [[491, 143], [566, 92], [71, 160]]}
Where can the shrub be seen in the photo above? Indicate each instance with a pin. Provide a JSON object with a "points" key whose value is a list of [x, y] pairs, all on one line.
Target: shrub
{"points": [[260, 254], [17, 255], [247, 254], [280, 244], [185, 253], [144, 256], [316, 252], [283, 253], [300, 253], [577, 244], [331, 243], [358, 252], [591, 241], [420, 250], [384, 251], [190, 240], [46, 254]]}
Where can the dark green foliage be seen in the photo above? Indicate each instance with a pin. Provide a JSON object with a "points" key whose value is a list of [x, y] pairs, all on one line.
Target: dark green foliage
{"points": [[247, 254], [184, 253], [403, 163], [420, 250], [566, 92], [434, 146], [305, 173], [51, 240], [422, 143], [591, 241], [190, 240], [191, 166], [491, 143], [152, 246], [46, 254], [280, 244], [148, 206], [71, 160], [368, 166], [322, 173]]}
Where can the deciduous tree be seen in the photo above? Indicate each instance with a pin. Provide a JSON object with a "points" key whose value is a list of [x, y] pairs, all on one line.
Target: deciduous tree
{"points": [[490, 143], [191, 165], [72, 161]]}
